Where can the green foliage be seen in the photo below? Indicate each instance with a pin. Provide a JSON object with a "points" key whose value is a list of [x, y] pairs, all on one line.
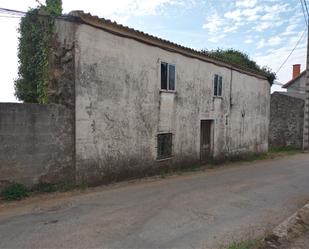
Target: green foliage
{"points": [[35, 30], [251, 244], [15, 191], [242, 59], [54, 7]]}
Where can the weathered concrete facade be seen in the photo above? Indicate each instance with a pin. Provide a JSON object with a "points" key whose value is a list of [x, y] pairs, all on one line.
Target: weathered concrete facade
{"points": [[111, 108], [120, 109], [37, 146], [286, 120]]}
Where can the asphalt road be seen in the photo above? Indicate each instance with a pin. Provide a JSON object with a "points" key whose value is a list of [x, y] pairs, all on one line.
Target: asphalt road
{"points": [[197, 210]]}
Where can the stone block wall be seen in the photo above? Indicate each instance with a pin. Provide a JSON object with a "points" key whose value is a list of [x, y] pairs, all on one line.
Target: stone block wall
{"points": [[286, 121], [37, 144]]}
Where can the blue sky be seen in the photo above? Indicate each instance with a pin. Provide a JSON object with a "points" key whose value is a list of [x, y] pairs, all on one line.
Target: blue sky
{"points": [[265, 29]]}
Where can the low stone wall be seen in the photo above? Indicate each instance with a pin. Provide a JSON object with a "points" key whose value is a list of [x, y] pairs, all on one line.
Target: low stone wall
{"points": [[286, 121], [37, 144]]}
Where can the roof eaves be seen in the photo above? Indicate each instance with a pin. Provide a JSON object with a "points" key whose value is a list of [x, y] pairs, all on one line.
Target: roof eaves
{"points": [[125, 31], [293, 80]]}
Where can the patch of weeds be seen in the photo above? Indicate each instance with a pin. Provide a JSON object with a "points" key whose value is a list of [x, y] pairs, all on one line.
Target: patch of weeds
{"points": [[284, 150], [46, 188], [255, 157], [15, 191], [250, 244], [66, 186], [163, 174], [82, 186]]}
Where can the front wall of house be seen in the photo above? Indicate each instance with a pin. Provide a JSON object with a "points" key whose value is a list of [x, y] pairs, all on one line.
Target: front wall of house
{"points": [[120, 108]]}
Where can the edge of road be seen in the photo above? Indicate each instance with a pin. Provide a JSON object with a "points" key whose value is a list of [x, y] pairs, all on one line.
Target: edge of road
{"points": [[290, 229]]}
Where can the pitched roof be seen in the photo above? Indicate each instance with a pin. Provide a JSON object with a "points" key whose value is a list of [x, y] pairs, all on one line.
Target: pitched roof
{"points": [[124, 31], [293, 80]]}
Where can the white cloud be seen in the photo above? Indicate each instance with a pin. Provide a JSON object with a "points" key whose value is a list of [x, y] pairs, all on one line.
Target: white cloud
{"points": [[274, 41], [235, 15], [214, 24], [246, 3], [216, 38], [230, 29], [275, 57], [249, 41], [120, 7], [252, 14], [263, 26], [261, 43]]}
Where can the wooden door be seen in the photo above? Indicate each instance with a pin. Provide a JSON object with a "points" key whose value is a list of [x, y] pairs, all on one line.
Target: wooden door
{"points": [[206, 150]]}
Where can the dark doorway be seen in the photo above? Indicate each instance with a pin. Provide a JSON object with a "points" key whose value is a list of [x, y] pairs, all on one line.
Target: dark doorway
{"points": [[206, 138]]}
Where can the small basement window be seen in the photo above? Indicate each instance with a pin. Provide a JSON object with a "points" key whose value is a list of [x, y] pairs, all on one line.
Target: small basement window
{"points": [[168, 76], [218, 85], [165, 145]]}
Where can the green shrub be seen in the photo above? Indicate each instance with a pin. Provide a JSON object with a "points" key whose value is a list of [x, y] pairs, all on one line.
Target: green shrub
{"points": [[14, 191]]}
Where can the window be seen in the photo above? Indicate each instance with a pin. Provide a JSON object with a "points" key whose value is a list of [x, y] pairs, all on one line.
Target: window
{"points": [[168, 76], [218, 85], [165, 145]]}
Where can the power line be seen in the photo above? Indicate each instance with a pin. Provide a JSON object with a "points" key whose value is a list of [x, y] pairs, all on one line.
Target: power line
{"points": [[2, 16], [19, 14], [303, 9], [12, 11], [299, 40], [305, 1]]}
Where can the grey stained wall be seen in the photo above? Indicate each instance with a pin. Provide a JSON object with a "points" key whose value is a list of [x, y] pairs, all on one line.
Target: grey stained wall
{"points": [[37, 146], [298, 85], [120, 110], [286, 120]]}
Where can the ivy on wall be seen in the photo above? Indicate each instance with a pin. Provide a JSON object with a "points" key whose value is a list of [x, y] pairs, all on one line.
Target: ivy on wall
{"points": [[35, 30]]}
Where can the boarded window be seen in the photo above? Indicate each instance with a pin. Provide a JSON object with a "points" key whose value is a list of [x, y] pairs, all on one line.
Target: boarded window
{"points": [[168, 76], [218, 85], [165, 145]]}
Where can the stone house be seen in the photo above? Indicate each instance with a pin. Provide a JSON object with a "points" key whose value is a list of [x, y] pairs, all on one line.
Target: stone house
{"points": [[140, 104], [287, 112]]}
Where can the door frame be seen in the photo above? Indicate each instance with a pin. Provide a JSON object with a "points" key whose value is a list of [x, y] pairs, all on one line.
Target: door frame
{"points": [[211, 151]]}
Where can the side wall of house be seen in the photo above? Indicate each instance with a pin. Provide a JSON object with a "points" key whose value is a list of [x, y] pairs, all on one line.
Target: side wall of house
{"points": [[286, 121], [36, 144], [120, 109], [298, 86]]}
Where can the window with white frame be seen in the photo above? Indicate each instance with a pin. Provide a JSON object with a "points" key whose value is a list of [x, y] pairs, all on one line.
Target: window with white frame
{"points": [[218, 81], [168, 76]]}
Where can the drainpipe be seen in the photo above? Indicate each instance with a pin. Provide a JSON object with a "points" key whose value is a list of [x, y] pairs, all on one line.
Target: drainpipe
{"points": [[306, 108]]}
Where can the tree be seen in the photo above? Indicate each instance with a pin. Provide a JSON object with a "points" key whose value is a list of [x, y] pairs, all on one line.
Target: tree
{"points": [[33, 51], [242, 59]]}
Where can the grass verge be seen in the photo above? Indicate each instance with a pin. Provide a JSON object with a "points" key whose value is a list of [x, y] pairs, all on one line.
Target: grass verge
{"points": [[250, 244]]}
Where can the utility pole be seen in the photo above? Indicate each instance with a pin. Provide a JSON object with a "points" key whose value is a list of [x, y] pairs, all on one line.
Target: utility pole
{"points": [[306, 107]]}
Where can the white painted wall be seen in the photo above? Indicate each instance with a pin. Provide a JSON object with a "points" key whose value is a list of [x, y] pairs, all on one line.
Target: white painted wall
{"points": [[120, 108]]}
